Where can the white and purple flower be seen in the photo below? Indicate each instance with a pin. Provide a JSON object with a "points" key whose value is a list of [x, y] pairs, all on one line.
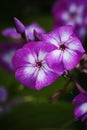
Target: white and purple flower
{"points": [[80, 111], [28, 33], [30, 65], [71, 12], [68, 51]]}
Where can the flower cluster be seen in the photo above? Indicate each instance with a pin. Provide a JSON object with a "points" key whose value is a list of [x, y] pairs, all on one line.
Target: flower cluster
{"points": [[39, 63], [71, 12], [28, 33]]}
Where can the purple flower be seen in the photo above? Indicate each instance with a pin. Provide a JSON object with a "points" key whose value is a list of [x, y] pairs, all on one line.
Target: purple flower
{"points": [[68, 51], [28, 33], [31, 29], [30, 65], [71, 12], [3, 94], [80, 111], [7, 50], [11, 32]]}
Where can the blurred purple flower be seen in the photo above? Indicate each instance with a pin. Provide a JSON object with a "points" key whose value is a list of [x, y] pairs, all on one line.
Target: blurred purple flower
{"points": [[3, 94], [7, 50], [68, 51], [30, 65], [71, 12], [10, 32], [28, 33], [80, 111]]}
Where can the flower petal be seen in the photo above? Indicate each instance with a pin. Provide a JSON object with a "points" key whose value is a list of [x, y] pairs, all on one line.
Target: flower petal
{"points": [[23, 57], [65, 33], [54, 61], [71, 58], [39, 47], [80, 110], [10, 32], [45, 77], [75, 44], [30, 31], [50, 38], [27, 76], [80, 98]]}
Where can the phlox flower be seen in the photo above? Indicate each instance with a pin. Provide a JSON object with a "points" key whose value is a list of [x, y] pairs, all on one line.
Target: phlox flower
{"points": [[71, 12], [30, 65], [29, 32], [80, 111], [68, 51]]}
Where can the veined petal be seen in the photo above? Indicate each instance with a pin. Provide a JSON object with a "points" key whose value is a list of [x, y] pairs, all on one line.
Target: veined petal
{"points": [[65, 32], [54, 61], [71, 58], [41, 55], [50, 38], [80, 110], [22, 58], [75, 44], [27, 76], [45, 77], [39, 47]]}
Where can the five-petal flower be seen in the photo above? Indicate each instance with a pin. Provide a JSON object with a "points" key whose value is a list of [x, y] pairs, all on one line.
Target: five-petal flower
{"points": [[30, 65], [68, 51]]}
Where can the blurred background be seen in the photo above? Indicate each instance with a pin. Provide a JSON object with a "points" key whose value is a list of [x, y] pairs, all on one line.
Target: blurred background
{"points": [[23, 108]]}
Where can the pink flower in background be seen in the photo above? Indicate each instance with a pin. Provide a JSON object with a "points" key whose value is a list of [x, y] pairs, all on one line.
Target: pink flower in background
{"points": [[68, 51], [71, 12], [30, 65], [29, 32]]}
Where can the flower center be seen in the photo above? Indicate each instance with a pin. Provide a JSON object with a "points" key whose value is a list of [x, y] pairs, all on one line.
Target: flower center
{"points": [[73, 14], [62, 47], [38, 64]]}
